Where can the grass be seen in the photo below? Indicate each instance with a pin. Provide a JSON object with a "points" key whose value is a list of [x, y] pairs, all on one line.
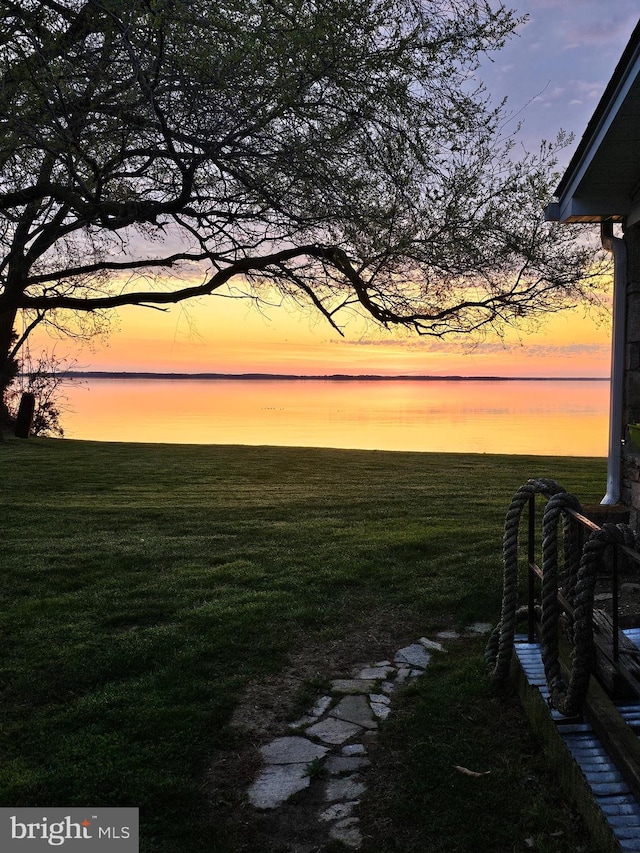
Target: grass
{"points": [[146, 586], [421, 801]]}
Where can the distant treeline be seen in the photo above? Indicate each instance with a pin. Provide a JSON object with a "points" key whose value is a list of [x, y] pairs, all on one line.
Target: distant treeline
{"points": [[333, 377]]}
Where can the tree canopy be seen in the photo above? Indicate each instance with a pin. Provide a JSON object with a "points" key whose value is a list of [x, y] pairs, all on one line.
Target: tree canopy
{"points": [[339, 151]]}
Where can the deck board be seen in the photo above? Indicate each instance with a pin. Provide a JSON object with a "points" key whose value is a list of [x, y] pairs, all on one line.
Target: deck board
{"points": [[613, 797]]}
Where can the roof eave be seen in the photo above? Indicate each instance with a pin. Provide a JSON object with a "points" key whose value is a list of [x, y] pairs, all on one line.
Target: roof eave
{"points": [[570, 207]]}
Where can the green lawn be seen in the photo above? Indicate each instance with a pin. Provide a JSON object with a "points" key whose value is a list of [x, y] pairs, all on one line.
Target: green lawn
{"points": [[145, 586]]}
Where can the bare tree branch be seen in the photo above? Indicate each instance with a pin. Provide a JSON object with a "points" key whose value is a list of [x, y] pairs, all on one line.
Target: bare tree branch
{"points": [[339, 153]]}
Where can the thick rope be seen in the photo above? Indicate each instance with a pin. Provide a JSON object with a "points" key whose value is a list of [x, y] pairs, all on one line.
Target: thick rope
{"points": [[500, 646], [572, 553], [569, 699], [550, 610], [578, 581]]}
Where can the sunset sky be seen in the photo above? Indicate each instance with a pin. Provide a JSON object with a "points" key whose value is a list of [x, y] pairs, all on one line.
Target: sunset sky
{"points": [[221, 336], [553, 74]]}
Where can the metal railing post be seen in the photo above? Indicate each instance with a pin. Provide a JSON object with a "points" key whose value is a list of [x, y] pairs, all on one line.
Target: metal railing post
{"points": [[530, 573], [614, 603]]}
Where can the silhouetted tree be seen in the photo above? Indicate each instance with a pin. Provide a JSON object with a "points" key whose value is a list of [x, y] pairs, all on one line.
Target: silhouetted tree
{"points": [[44, 377], [338, 151]]}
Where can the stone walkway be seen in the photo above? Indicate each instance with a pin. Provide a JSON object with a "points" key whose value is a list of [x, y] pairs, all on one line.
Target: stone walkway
{"points": [[331, 742]]}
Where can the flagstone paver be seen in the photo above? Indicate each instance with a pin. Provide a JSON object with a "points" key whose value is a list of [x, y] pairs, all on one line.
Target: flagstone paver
{"points": [[338, 811], [480, 627], [292, 750], [337, 765], [354, 749], [402, 675], [381, 711], [338, 732], [306, 720], [348, 788], [415, 655], [347, 831], [355, 709], [432, 645], [334, 731], [353, 685], [321, 706], [376, 671], [276, 783]]}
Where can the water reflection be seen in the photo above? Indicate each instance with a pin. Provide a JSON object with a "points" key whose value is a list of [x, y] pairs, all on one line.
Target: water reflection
{"points": [[471, 416]]}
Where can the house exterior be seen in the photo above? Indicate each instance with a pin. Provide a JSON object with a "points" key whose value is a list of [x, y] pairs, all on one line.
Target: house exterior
{"points": [[602, 185]]}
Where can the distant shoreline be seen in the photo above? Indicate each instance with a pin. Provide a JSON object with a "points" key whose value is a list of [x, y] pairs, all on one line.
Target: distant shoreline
{"points": [[332, 377]]}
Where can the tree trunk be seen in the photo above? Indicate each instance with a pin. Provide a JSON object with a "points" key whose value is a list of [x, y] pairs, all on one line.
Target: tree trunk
{"points": [[7, 322], [24, 419]]}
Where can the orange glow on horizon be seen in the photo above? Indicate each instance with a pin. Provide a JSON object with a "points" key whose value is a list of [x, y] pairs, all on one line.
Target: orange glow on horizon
{"points": [[231, 336]]}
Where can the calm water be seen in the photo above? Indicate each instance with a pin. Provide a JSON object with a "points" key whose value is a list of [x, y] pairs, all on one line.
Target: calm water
{"points": [[523, 417]]}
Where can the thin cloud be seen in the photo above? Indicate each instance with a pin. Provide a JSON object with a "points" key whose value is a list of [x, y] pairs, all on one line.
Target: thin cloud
{"points": [[534, 350]]}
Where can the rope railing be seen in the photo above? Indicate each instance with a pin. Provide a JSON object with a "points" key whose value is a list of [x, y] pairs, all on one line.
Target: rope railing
{"points": [[564, 589]]}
